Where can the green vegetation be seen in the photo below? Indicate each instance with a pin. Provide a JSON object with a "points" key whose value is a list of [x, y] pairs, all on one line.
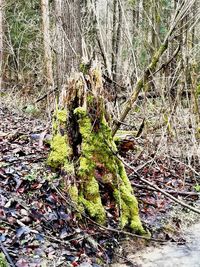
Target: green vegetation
{"points": [[60, 149], [24, 37], [97, 150], [96, 155], [3, 262], [197, 187]]}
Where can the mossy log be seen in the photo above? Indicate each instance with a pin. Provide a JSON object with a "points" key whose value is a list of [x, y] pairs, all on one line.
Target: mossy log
{"points": [[83, 147]]}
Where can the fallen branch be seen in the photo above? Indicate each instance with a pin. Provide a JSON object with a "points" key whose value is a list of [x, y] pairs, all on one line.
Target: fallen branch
{"points": [[152, 185], [173, 192], [159, 189], [3, 176], [186, 165], [126, 124], [140, 84], [181, 11]]}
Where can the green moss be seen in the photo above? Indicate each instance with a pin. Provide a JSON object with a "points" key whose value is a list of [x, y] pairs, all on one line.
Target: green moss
{"points": [[129, 209], [3, 262], [198, 90], [69, 167], [123, 175], [94, 208], [108, 178], [86, 166], [59, 118], [97, 154], [61, 115], [157, 56], [98, 147], [127, 202], [81, 111], [90, 196], [59, 151], [140, 84], [91, 190], [73, 193], [90, 99]]}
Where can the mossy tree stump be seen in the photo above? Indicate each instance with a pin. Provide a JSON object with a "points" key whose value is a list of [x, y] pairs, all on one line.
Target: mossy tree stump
{"points": [[84, 148]]}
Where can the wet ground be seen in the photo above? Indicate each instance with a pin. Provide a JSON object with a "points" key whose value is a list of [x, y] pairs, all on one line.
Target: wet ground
{"points": [[171, 254]]}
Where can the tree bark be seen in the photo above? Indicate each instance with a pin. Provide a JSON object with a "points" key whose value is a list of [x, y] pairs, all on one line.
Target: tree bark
{"points": [[72, 27], [47, 42], [60, 71]]}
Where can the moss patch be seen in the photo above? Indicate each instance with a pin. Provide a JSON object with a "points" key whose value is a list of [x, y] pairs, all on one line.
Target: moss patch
{"points": [[97, 152], [90, 196], [3, 262], [60, 148], [88, 151], [59, 151], [73, 192]]}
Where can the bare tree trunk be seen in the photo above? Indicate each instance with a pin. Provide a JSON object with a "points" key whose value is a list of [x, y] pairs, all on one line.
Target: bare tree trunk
{"points": [[59, 43], [1, 41], [72, 27], [116, 45], [47, 42], [114, 33]]}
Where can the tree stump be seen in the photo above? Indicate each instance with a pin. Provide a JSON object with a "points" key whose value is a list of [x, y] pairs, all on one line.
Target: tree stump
{"points": [[83, 147]]}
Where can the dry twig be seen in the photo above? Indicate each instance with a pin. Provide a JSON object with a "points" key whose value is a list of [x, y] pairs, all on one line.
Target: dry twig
{"points": [[108, 229], [159, 189], [173, 192]]}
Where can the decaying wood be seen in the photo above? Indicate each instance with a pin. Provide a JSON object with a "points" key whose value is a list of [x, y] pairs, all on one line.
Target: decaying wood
{"points": [[139, 85], [78, 147]]}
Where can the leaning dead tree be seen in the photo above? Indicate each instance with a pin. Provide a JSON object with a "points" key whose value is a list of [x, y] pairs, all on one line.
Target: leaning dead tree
{"points": [[182, 10], [83, 147]]}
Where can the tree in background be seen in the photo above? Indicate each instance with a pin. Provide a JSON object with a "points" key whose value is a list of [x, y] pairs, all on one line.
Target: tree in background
{"points": [[23, 45], [47, 42]]}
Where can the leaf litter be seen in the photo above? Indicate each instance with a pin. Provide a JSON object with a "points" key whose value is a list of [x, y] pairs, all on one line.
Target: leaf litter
{"points": [[38, 228]]}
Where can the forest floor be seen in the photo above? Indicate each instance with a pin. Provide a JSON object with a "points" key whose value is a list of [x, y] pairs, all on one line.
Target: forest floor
{"points": [[38, 226]]}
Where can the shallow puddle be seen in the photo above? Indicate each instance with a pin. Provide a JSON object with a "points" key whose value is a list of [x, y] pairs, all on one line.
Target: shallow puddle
{"points": [[171, 255]]}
